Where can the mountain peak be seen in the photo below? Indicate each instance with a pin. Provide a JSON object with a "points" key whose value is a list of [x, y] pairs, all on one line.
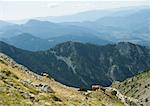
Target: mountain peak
{"points": [[125, 43], [25, 35], [68, 44], [33, 21], [127, 48], [37, 22]]}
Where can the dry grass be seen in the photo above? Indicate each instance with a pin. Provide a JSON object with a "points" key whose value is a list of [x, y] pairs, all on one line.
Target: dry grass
{"points": [[14, 92]]}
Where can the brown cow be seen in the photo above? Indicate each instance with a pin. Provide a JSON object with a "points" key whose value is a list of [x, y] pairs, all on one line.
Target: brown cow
{"points": [[95, 87]]}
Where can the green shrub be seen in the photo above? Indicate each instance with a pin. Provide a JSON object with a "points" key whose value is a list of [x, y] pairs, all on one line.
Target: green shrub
{"points": [[146, 100], [56, 98], [82, 89], [114, 93], [145, 86], [103, 104]]}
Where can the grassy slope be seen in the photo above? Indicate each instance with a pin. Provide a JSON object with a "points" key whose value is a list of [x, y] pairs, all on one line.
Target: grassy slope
{"points": [[17, 89], [137, 87]]}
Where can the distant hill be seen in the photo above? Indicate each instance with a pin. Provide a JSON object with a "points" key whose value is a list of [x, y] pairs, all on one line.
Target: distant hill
{"points": [[45, 29], [79, 17], [28, 42], [4, 24], [92, 15], [79, 38], [122, 27], [137, 87], [32, 43], [77, 64]]}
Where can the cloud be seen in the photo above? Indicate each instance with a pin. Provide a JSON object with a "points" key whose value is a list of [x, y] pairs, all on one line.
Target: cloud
{"points": [[82, 4], [53, 5]]}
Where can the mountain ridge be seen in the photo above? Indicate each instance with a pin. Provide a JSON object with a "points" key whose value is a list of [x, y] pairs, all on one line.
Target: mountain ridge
{"points": [[84, 64]]}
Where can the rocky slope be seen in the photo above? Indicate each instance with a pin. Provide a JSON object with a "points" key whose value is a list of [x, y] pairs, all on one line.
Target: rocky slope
{"points": [[20, 86], [137, 87], [77, 64]]}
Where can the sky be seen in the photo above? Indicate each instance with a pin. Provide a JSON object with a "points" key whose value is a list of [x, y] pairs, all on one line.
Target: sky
{"points": [[25, 9]]}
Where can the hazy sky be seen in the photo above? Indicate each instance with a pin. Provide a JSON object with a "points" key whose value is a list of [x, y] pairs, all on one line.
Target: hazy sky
{"points": [[16, 10]]}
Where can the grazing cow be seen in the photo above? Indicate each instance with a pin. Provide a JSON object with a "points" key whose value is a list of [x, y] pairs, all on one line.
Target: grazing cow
{"points": [[45, 74], [95, 87]]}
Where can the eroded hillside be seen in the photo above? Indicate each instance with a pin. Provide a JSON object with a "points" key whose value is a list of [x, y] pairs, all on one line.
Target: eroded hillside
{"points": [[19, 86], [137, 87]]}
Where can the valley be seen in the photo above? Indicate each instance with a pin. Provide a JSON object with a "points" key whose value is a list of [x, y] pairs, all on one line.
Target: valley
{"points": [[75, 53]]}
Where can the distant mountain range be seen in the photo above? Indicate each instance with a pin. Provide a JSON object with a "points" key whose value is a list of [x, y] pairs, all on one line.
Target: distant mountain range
{"points": [[129, 25], [44, 29], [90, 15], [77, 64], [29, 42]]}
